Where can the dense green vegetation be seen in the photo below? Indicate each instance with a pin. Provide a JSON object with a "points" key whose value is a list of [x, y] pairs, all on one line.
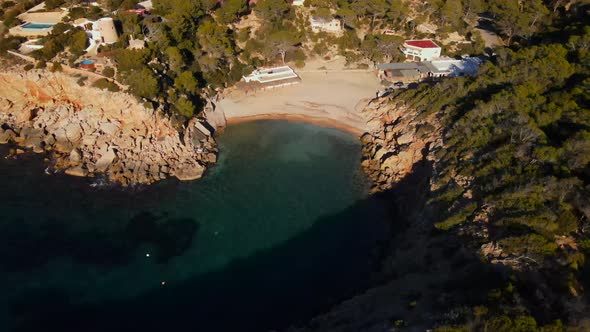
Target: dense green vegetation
{"points": [[11, 9], [515, 167], [61, 38]]}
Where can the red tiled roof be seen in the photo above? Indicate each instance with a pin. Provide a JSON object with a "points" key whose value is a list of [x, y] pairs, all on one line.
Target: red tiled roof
{"points": [[424, 43]]}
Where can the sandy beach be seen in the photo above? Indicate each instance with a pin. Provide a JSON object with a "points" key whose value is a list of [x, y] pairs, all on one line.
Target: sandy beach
{"points": [[326, 97]]}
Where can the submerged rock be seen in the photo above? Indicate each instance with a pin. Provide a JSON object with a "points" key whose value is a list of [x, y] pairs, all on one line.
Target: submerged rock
{"points": [[189, 172], [77, 171]]}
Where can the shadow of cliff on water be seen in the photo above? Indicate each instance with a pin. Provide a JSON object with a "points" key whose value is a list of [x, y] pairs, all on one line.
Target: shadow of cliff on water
{"points": [[425, 274], [41, 240], [268, 290], [402, 271]]}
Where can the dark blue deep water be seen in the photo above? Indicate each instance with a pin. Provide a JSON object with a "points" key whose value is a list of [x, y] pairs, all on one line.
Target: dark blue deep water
{"points": [[279, 231]]}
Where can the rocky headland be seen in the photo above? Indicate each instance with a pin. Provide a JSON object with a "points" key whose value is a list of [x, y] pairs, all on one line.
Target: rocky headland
{"points": [[398, 138], [88, 131]]}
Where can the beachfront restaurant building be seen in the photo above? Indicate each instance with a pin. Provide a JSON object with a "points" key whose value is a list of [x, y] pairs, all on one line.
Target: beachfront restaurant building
{"points": [[405, 72], [268, 78], [421, 50], [408, 72]]}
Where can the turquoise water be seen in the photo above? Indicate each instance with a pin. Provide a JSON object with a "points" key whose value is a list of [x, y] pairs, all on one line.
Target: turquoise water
{"points": [[37, 26], [279, 231]]}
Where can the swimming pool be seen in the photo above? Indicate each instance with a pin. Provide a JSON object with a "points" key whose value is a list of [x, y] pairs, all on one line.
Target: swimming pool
{"points": [[36, 26]]}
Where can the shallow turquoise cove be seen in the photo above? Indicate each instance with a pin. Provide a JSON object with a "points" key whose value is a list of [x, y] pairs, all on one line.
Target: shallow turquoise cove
{"points": [[280, 230]]}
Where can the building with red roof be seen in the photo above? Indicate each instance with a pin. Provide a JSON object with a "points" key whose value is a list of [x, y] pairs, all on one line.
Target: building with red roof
{"points": [[421, 49]]}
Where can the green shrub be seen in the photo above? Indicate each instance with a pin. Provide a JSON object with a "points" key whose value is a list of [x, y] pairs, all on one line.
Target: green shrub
{"points": [[299, 63], [8, 4], [56, 66], [457, 218], [10, 43], [82, 80], [296, 55], [105, 84], [28, 66], [52, 4], [108, 72]]}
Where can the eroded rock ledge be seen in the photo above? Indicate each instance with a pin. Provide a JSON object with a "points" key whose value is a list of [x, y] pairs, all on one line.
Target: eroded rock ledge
{"points": [[89, 131], [397, 139]]}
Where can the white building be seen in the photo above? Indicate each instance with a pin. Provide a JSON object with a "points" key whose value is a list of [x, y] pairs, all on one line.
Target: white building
{"points": [[147, 5], [136, 44], [448, 67], [298, 2], [327, 25], [107, 30], [407, 72], [99, 32], [268, 75], [421, 50]]}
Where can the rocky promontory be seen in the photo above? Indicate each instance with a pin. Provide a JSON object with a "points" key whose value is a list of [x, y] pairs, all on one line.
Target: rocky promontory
{"points": [[397, 139], [89, 131]]}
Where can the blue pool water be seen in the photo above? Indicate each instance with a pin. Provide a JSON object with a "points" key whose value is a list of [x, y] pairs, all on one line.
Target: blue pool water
{"points": [[87, 62], [37, 26]]}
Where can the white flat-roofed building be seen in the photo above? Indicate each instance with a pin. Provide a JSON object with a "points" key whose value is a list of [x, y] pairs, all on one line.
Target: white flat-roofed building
{"points": [[268, 75], [146, 5], [269, 78], [417, 71], [99, 32], [448, 67], [333, 25], [421, 50]]}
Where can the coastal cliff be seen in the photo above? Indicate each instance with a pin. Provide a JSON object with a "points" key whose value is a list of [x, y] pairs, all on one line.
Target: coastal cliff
{"points": [[88, 131], [397, 139]]}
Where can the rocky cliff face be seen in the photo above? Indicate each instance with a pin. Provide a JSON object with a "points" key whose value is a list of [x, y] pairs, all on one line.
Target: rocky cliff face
{"points": [[397, 139], [417, 268], [90, 131]]}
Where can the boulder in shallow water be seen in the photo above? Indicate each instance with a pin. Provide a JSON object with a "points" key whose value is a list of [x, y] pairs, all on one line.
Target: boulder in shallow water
{"points": [[189, 172], [211, 158], [6, 135], [75, 156], [33, 138], [77, 171]]}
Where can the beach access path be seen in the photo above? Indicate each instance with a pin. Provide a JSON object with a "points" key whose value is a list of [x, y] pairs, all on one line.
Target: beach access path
{"points": [[327, 95]]}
